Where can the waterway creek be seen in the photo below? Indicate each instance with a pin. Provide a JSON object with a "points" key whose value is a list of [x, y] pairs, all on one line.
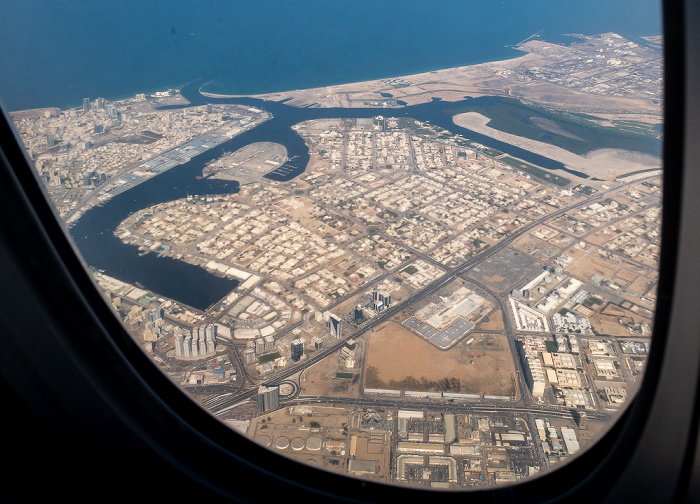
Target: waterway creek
{"points": [[192, 285]]}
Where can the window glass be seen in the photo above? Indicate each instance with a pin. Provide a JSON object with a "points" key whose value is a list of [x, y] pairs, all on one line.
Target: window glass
{"points": [[412, 242]]}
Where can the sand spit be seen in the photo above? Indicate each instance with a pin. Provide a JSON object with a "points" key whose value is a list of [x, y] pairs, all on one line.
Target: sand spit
{"points": [[606, 164]]}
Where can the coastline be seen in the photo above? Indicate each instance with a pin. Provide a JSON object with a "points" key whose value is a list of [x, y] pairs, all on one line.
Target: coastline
{"points": [[421, 78], [435, 83], [512, 77]]}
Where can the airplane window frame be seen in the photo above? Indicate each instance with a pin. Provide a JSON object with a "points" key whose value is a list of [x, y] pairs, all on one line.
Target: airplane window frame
{"points": [[77, 381]]}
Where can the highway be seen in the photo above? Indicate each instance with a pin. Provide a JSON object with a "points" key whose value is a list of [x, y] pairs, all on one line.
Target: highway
{"points": [[229, 398], [455, 407]]}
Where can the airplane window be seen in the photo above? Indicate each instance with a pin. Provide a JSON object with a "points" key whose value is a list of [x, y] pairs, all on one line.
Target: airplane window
{"points": [[414, 256]]}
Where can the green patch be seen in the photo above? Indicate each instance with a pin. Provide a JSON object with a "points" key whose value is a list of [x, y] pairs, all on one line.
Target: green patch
{"points": [[551, 346], [411, 270], [269, 357], [343, 376]]}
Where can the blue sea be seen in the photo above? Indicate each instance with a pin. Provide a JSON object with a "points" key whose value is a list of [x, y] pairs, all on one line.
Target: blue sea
{"points": [[57, 53]]}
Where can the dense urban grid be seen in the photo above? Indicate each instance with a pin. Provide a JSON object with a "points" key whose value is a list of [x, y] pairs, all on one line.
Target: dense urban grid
{"points": [[415, 307]]}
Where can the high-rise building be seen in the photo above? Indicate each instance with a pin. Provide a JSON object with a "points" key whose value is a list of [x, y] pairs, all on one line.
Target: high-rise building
{"points": [[317, 343], [86, 104], [269, 343], [259, 346], [306, 319], [207, 338], [582, 420], [268, 398], [100, 102], [156, 314], [210, 108], [195, 343], [197, 339], [249, 356], [211, 345], [179, 343], [381, 299], [335, 326], [187, 350], [359, 315], [297, 349]]}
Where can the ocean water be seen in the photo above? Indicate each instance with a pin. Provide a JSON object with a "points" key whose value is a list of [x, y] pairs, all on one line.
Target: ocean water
{"points": [[56, 53]]}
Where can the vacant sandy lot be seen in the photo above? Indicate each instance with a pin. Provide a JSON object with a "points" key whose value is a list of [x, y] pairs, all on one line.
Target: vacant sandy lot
{"points": [[493, 322], [537, 249], [398, 359], [604, 164], [318, 379]]}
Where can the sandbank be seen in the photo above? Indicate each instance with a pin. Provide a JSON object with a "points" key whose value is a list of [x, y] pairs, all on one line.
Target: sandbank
{"points": [[605, 164]]}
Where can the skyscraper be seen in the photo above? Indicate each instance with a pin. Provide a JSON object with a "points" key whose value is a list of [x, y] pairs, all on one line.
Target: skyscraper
{"points": [[155, 314], [249, 355], [210, 332], [195, 343], [268, 398], [381, 299], [359, 315], [335, 326], [187, 350], [86, 104], [306, 319], [179, 343], [297, 349]]}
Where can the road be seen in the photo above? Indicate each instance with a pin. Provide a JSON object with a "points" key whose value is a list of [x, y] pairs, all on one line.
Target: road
{"points": [[229, 399]]}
